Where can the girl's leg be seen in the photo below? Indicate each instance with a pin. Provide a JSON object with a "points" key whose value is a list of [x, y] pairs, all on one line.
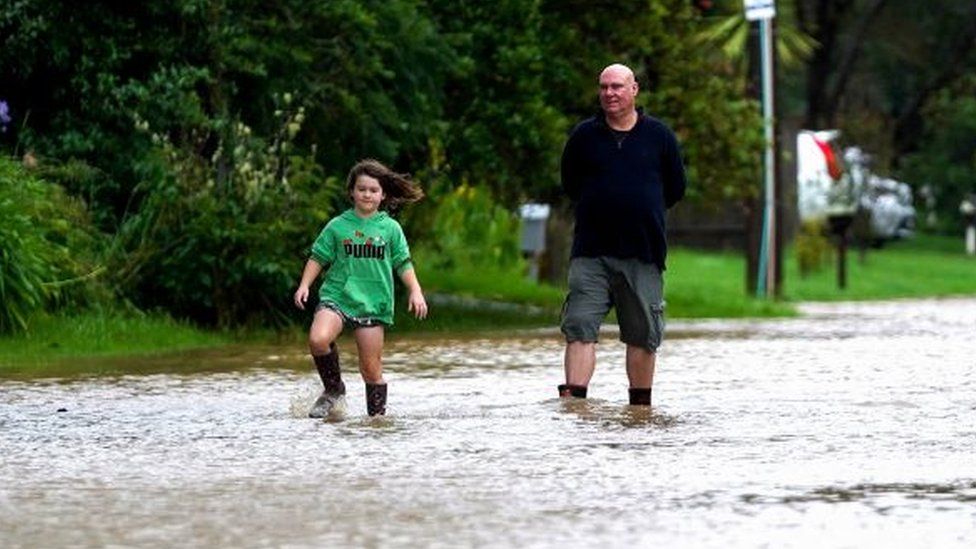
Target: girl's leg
{"points": [[369, 341], [326, 327]]}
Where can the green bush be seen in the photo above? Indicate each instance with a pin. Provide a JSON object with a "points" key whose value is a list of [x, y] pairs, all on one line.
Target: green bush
{"points": [[946, 158], [469, 231], [812, 247], [48, 248], [221, 237]]}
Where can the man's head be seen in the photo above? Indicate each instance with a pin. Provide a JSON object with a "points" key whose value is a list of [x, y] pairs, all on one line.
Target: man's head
{"points": [[618, 89]]}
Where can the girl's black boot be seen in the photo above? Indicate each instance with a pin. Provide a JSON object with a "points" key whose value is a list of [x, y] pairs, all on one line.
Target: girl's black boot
{"points": [[376, 399], [334, 389]]}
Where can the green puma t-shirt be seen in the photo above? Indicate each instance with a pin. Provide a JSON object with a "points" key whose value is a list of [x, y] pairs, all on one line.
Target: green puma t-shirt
{"points": [[361, 256]]}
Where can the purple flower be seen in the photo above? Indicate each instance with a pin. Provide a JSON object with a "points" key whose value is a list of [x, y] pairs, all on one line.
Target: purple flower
{"points": [[4, 115]]}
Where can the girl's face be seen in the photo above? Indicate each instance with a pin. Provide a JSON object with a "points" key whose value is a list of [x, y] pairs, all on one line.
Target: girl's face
{"points": [[367, 195]]}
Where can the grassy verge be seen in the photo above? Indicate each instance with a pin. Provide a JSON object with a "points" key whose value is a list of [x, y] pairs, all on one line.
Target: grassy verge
{"points": [[924, 266], [97, 334], [466, 300], [702, 284]]}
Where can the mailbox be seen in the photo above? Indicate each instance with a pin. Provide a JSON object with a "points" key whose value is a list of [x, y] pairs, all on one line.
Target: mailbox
{"points": [[534, 217]]}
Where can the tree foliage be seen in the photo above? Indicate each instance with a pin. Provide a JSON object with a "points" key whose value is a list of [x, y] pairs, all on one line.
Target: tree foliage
{"points": [[217, 237], [701, 98], [170, 120], [49, 251], [886, 73], [502, 120], [945, 162]]}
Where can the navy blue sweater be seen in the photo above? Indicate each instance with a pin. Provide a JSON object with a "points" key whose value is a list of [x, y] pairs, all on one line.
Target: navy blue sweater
{"points": [[621, 190]]}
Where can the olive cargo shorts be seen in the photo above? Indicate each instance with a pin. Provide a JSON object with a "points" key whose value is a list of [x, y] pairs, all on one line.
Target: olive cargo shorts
{"points": [[633, 287]]}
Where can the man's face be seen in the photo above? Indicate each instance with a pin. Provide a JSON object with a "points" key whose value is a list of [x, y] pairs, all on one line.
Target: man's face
{"points": [[617, 91]]}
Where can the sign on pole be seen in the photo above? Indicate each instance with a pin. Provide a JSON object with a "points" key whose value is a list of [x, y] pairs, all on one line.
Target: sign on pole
{"points": [[760, 9]]}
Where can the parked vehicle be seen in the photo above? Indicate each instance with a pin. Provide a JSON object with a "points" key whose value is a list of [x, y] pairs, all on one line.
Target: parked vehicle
{"points": [[831, 183]]}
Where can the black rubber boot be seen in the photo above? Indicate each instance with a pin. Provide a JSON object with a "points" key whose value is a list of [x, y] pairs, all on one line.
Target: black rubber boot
{"points": [[576, 391], [333, 388], [376, 399], [640, 397]]}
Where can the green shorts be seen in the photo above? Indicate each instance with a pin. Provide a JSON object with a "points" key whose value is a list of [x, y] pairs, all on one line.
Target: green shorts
{"points": [[634, 288]]}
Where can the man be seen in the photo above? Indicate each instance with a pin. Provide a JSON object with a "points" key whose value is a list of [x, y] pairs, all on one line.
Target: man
{"points": [[623, 170]]}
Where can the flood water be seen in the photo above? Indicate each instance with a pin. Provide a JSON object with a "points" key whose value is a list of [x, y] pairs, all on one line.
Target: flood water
{"points": [[854, 426]]}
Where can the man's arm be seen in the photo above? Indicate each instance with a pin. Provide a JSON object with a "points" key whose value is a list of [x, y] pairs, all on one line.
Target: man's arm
{"points": [[569, 167], [675, 182]]}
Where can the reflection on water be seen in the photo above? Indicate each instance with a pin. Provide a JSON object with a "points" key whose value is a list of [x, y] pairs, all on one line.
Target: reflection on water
{"points": [[852, 427]]}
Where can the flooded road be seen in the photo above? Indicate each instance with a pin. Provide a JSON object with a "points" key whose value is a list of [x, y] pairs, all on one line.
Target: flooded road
{"points": [[854, 426]]}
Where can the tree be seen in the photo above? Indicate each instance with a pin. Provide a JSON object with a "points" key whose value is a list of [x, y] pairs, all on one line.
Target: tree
{"points": [[502, 127], [875, 69], [700, 97], [368, 74], [371, 74], [840, 43], [945, 161]]}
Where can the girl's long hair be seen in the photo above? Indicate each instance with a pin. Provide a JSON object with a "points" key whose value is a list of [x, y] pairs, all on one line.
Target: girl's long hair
{"points": [[398, 187]]}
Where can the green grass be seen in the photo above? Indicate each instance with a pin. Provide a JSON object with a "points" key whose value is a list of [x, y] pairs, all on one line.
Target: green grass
{"points": [[471, 299], [710, 284], [449, 313], [99, 334], [492, 284], [700, 284], [924, 266]]}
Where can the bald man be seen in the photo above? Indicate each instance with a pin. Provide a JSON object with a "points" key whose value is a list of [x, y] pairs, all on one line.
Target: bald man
{"points": [[623, 170]]}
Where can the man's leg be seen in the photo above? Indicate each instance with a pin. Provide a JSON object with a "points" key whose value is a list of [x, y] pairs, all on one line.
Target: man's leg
{"points": [[640, 372], [579, 363], [586, 306], [638, 292]]}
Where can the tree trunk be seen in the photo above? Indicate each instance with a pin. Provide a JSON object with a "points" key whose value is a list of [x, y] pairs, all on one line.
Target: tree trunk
{"points": [[821, 20]]}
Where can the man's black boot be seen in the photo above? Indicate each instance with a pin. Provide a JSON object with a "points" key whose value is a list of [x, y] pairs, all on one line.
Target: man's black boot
{"points": [[640, 397], [577, 391]]}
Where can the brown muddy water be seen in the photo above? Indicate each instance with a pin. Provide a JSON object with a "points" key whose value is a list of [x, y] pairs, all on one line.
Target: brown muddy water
{"points": [[854, 426]]}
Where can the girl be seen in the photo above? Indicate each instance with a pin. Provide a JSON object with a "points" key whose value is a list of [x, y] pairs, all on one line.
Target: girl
{"points": [[360, 250]]}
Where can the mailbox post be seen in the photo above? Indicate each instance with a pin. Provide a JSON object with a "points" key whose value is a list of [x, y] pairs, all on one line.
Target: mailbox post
{"points": [[839, 223], [968, 211]]}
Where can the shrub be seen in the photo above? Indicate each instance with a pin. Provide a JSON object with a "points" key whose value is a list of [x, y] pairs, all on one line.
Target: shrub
{"points": [[220, 237], [48, 248], [812, 247], [470, 231]]}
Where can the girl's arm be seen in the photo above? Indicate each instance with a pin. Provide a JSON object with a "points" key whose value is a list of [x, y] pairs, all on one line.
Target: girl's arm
{"points": [[415, 302], [312, 270]]}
